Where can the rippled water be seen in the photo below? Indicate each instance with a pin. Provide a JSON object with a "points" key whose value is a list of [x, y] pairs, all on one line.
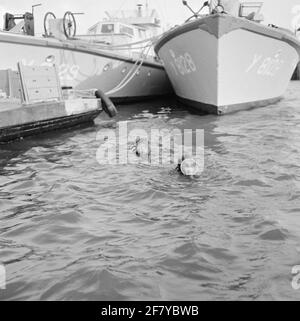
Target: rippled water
{"points": [[73, 229]]}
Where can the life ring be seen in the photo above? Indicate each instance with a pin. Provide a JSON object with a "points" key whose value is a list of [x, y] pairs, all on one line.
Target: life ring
{"points": [[107, 104]]}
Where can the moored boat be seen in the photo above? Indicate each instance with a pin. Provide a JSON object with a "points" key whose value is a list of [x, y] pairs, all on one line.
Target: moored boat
{"points": [[83, 62], [227, 60], [42, 105]]}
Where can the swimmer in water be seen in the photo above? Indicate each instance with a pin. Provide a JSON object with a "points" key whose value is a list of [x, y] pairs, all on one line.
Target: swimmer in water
{"points": [[178, 168], [188, 167]]}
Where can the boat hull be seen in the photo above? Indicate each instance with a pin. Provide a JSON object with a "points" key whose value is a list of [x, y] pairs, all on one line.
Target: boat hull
{"points": [[222, 64], [84, 67], [18, 120], [16, 132]]}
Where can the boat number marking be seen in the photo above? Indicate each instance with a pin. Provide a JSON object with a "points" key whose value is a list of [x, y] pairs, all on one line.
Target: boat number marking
{"points": [[68, 72], [183, 64], [266, 66]]}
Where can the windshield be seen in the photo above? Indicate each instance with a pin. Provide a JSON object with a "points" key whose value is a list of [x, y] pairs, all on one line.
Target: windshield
{"points": [[108, 28]]}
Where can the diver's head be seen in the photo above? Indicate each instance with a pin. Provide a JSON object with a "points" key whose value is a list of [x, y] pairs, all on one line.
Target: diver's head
{"points": [[188, 167]]}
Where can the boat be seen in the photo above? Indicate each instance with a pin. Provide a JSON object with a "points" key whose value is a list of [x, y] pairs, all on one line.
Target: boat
{"points": [[120, 66], [227, 60], [43, 106]]}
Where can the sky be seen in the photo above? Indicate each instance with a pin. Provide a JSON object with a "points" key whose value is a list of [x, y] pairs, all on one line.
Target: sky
{"points": [[285, 13]]}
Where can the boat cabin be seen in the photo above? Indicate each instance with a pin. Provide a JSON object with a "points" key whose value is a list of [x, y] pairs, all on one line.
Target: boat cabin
{"points": [[116, 33], [125, 26]]}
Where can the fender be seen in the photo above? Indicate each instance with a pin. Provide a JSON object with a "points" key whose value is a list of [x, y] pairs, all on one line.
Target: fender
{"points": [[107, 104]]}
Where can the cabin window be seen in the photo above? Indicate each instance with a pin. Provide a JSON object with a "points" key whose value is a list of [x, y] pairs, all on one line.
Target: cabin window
{"points": [[246, 8], [108, 28], [125, 29]]}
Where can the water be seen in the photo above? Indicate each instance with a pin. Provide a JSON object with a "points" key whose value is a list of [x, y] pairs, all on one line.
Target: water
{"points": [[72, 229]]}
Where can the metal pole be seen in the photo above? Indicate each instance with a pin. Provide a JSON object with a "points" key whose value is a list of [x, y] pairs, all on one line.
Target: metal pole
{"points": [[33, 6]]}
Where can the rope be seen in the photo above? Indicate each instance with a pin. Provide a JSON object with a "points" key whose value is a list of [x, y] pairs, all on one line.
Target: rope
{"points": [[117, 47], [138, 63], [129, 45], [124, 82], [127, 82]]}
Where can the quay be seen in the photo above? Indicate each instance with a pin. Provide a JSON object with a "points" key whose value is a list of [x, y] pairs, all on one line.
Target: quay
{"points": [[42, 105], [18, 121]]}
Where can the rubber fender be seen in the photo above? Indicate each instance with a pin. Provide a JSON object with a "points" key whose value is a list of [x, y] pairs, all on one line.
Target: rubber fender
{"points": [[107, 104]]}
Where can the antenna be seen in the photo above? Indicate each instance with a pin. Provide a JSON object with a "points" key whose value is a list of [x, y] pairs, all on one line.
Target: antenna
{"points": [[34, 6], [185, 3], [195, 13]]}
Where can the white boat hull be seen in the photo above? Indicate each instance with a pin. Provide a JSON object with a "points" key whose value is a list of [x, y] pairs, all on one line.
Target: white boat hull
{"points": [[221, 64], [83, 67]]}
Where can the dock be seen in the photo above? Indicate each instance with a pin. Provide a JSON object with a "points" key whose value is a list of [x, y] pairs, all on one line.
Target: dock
{"points": [[296, 75], [18, 121], [42, 105]]}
